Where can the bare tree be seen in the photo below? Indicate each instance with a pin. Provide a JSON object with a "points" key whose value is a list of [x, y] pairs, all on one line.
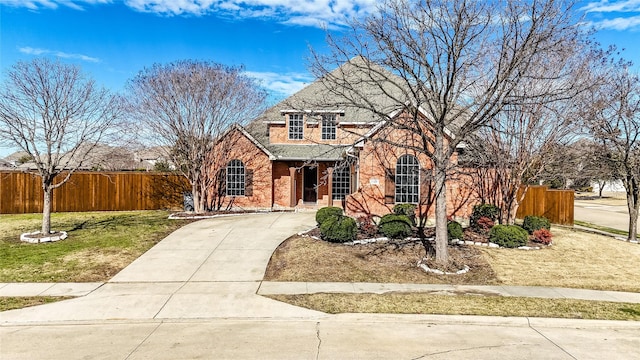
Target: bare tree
{"points": [[515, 147], [615, 121], [187, 105], [453, 66], [57, 115]]}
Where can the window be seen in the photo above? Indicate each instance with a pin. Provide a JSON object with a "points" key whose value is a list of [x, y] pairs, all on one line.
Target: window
{"points": [[341, 183], [295, 127], [329, 127], [407, 180], [235, 178]]}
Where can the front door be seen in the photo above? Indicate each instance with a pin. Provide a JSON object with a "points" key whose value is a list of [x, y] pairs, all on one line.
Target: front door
{"points": [[310, 193]]}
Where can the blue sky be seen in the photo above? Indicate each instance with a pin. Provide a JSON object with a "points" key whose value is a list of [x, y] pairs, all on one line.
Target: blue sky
{"points": [[114, 39]]}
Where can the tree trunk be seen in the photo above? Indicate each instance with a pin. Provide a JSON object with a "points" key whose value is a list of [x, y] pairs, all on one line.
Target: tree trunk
{"points": [[601, 188], [633, 205], [46, 207], [440, 164], [197, 203], [633, 225]]}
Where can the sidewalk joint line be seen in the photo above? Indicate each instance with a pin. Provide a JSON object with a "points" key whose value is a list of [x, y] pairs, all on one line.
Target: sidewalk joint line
{"points": [[549, 340], [144, 340]]}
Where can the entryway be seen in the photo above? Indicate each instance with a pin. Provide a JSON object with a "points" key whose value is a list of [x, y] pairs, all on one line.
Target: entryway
{"points": [[310, 180]]}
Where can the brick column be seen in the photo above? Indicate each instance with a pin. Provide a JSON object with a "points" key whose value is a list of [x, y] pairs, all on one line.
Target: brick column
{"points": [[292, 187], [330, 185]]}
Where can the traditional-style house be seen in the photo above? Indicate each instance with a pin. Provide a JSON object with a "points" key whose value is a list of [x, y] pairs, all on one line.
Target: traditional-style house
{"points": [[315, 149]]}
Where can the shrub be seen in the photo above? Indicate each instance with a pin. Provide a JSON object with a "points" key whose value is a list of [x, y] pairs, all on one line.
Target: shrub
{"points": [[406, 209], [327, 212], [542, 236], [454, 230], [367, 226], [339, 229], [484, 224], [395, 226], [509, 236], [533, 223], [484, 210]]}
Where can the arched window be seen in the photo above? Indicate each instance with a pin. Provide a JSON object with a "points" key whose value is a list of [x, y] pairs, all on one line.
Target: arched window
{"points": [[235, 178], [407, 180]]}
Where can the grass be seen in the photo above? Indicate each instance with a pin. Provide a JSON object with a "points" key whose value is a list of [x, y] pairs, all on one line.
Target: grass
{"points": [[99, 245], [10, 303], [576, 260], [413, 303], [601, 228]]}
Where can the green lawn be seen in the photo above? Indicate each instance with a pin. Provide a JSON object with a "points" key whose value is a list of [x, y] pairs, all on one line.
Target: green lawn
{"points": [[99, 245]]}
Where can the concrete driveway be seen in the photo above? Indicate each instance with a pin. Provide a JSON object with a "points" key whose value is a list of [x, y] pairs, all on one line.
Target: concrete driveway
{"points": [[194, 296]]}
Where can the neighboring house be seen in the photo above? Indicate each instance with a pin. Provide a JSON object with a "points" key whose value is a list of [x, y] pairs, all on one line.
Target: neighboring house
{"points": [[5, 165], [148, 158], [310, 151], [15, 159], [99, 158]]}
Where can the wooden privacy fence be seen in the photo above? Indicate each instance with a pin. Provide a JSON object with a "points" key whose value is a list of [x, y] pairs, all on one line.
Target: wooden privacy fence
{"points": [[93, 191], [555, 205]]}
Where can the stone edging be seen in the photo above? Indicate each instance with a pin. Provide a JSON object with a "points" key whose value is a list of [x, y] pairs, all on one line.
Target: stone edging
{"points": [[492, 245], [453, 242], [26, 237]]}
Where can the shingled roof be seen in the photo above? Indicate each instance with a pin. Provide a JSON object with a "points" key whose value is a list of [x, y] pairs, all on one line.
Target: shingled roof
{"points": [[353, 77]]}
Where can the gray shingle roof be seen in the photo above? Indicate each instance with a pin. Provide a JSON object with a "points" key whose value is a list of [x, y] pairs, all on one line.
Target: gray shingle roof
{"points": [[319, 152], [354, 77], [340, 89]]}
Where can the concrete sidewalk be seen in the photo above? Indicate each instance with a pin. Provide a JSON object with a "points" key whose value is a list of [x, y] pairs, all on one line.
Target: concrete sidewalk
{"points": [[195, 295], [290, 288]]}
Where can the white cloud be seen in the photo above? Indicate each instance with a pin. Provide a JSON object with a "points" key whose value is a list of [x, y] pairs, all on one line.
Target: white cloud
{"points": [[281, 84], [605, 6], [52, 4], [60, 54], [316, 13], [619, 23]]}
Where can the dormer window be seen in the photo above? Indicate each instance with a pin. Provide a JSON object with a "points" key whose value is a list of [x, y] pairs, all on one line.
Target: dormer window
{"points": [[296, 126], [328, 127]]}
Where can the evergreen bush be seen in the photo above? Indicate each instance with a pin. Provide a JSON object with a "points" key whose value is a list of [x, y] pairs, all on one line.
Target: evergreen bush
{"points": [[454, 230], [339, 229], [509, 236], [406, 209], [484, 210], [533, 223], [395, 226], [327, 212]]}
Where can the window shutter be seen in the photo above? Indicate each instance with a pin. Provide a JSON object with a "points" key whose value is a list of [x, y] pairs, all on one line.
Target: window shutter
{"points": [[248, 183], [426, 192], [222, 182], [390, 186]]}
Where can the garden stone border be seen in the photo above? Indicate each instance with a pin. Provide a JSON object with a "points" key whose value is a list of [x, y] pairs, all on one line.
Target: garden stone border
{"points": [[493, 245], [452, 242], [26, 237], [426, 268]]}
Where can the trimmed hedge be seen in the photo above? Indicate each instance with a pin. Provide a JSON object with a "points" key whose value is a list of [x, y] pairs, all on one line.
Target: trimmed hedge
{"points": [[533, 223], [509, 236], [327, 212], [395, 226], [454, 230], [406, 209], [339, 229], [484, 210]]}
